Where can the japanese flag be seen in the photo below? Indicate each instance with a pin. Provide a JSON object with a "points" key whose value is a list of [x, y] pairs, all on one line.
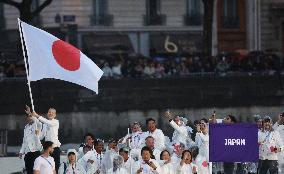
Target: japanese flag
{"points": [[50, 57]]}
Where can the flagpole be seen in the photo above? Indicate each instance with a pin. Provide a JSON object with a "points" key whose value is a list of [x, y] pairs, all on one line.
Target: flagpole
{"points": [[25, 60]]}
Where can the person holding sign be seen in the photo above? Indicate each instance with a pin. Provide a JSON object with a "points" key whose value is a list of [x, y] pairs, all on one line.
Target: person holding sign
{"points": [[270, 144]]}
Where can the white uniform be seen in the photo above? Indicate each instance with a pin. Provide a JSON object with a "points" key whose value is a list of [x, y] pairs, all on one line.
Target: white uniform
{"points": [[280, 129], [50, 130], [76, 168], [180, 134], [146, 169], [186, 168], [31, 141], [131, 163], [92, 167], [268, 140], [157, 153], [159, 138], [202, 164], [175, 158], [81, 152], [169, 168], [202, 141], [137, 140]]}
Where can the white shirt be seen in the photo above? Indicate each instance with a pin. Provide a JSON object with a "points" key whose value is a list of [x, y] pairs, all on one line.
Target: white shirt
{"points": [[131, 163], [180, 134], [92, 155], [44, 165], [159, 138], [50, 130], [202, 141], [149, 170], [169, 168], [31, 141], [118, 171], [186, 168], [268, 140], [71, 169], [202, 164], [157, 153], [137, 140], [175, 158]]}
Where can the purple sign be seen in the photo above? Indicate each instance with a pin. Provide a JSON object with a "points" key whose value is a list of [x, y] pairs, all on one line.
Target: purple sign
{"points": [[233, 143]]}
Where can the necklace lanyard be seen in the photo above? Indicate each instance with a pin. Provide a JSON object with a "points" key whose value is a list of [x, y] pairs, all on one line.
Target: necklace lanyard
{"points": [[47, 161], [267, 137]]}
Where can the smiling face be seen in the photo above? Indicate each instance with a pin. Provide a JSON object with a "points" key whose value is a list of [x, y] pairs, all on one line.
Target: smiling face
{"points": [[187, 157], [151, 126], [51, 114], [89, 141], [99, 147], [146, 155], [150, 142], [135, 128], [267, 125], [166, 156]]}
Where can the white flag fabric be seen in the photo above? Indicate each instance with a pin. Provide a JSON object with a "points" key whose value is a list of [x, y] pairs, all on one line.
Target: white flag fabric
{"points": [[50, 57]]}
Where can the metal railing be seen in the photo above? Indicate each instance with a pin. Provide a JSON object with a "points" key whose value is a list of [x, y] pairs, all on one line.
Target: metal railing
{"points": [[102, 20], [3, 142], [192, 19]]}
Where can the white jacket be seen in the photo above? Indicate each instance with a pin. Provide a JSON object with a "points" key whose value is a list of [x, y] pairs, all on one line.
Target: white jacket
{"points": [[92, 167], [146, 169], [268, 140], [31, 141], [70, 169], [180, 134], [202, 141], [50, 130], [159, 138], [169, 168], [186, 168], [137, 140]]}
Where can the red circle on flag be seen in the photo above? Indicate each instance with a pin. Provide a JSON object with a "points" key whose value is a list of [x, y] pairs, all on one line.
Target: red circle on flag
{"points": [[66, 55]]}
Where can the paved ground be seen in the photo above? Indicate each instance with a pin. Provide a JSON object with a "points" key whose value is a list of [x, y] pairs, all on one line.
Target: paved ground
{"points": [[13, 164]]}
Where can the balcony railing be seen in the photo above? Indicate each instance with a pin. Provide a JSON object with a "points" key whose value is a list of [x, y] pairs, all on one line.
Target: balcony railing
{"points": [[193, 20], [230, 22], [154, 20], [103, 20]]}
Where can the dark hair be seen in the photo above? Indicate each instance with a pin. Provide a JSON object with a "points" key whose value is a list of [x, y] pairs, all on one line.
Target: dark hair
{"points": [[161, 154], [196, 122], [90, 135], [150, 119], [233, 118], [46, 145], [204, 119], [112, 141], [149, 137], [194, 151], [182, 155], [124, 149], [145, 148], [97, 141]]}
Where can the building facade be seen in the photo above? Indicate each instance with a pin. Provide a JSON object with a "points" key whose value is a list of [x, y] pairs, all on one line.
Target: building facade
{"points": [[157, 27]]}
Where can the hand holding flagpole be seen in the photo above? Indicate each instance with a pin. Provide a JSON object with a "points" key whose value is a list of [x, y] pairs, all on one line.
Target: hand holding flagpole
{"points": [[26, 67]]}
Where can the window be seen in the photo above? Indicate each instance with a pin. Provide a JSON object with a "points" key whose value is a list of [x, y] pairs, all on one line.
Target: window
{"points": [[193, 12], [230, 18], [2, 19], [153, 13], [100, 14]]}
